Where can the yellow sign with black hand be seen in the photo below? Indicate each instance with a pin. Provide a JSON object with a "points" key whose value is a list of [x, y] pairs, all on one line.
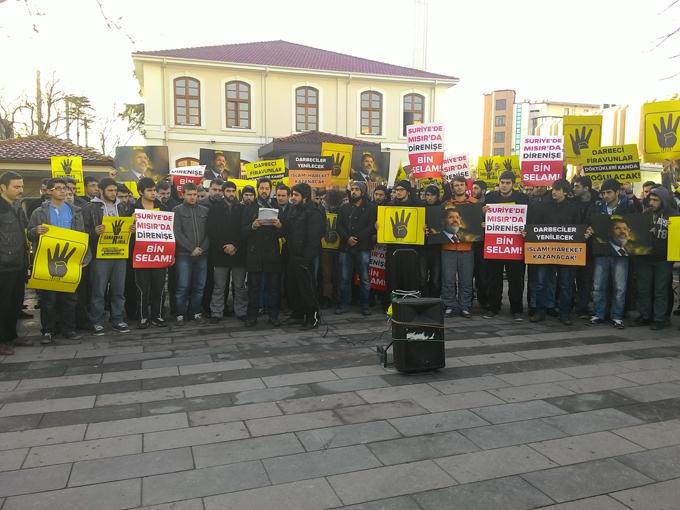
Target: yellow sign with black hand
{"points": [[58, 260], [401, 225], [581, 132], [69, 166], [674, 239], [342, 161], [661, 125], [114, 243], [331, 241]]}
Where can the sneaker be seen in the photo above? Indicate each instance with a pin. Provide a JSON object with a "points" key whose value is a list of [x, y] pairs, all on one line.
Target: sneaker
{"points": [[121, 327], [97, 330], [552, 312], [640, 321], [293, 320], [618, 324], [311, 321], [46, 339], [159, 322], [537, 317], [242, 318], [275, 322], [143, 324], [22, 342], [448, 313], [584, 315], [566, 320], [340, 310], [250, 323], [6, 349], [517, 317], [180, 320], [72, 335], [466, 314], [594, 321], [657, 326], [197, 316], [215, 320], [365, 312], [489, 314]]}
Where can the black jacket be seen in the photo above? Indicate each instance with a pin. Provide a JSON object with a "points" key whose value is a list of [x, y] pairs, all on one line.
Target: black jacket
{"points": [[262, 244], [13, 246], [169, 205], [303, 230], [224, 227], [554, 213], [359, 222], [516, 197], [624, 206], [190, 228]]}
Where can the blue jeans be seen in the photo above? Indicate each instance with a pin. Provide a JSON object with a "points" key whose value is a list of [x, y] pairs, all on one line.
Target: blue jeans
{"points": [[545, 293], [457, 270], [616, 270], [191, 275], [532, 294], [349, 261], [105, 272]]}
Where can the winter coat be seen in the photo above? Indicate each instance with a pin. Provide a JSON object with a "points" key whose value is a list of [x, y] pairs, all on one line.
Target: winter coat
{"points": [[224, 227], [659, 222], [263, 253], [190, 228], [357, 221], [303, 230], [41, 216], [13, 245]]}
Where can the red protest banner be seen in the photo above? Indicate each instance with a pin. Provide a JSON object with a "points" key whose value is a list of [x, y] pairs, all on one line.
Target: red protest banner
{"points": [[376, 268], [541, 160], [154, 239], [503, 231], [425, 150], [181, 175]]}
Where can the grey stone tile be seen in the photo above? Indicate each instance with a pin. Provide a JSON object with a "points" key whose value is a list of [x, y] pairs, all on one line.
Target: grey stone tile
{"points": [[594, 370], [320, 403], [345, 435], [470, 384], [590, 401], [38, 437], [12, 459], [83, 450], [389, 481], [436, 422], [122, 358], [271, 394], [354, 384], [657, 496], [530, 392], [105, 496], [292, 423], [398, 503], [217, 366], [361, 371], [399, 451], [515, 412], [203, 482], [491, 359], [47, 406], [584, 480], [660, 464], [93, 415], [651, 392], [458, 401], [54, 382], [199, 390], [534, 377], [177, 361], [594, 503], [206, 434], [653, 435], [592, 421], [409, 391], [380, 411], [187, 504], [599, 445], [216, 454], [299, 378], [306, 495], [508, 434], [234, 413], [476, 466], [136, 397], [591, 384], [510, 493], [653, 376], [130, 466], [26, 481], [136, 425], [134, 375], [291, 468], [19, 423]]}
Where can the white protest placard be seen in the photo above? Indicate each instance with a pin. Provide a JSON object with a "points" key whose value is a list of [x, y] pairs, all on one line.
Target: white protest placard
{"points": [[503, 231], [154, 239], [183, 174], [457, 164], [425, 149], [541, 160]]}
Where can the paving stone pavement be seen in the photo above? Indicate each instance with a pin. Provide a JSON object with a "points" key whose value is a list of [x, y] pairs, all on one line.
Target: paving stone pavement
{"points": [[215, 417]]}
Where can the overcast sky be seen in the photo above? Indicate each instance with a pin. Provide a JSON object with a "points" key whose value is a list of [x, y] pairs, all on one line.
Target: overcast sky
{"points": [[591, 51]]}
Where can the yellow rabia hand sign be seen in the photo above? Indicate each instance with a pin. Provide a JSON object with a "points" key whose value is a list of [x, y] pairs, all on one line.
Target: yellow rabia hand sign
{"points": [[401, 225], [114, 243], [331, 241], [58, 260], [661, 124], [581, 132]]}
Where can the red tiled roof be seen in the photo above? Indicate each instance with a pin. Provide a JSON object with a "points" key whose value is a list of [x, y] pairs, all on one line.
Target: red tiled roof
{"points": [[311, 137], [298, 56], [39, 149]]}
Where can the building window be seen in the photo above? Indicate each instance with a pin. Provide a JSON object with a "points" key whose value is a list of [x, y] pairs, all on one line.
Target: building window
{"points": [[414, 110], [238, 104], [500, 104], [499, 137], [500, 121], [186, 162], [499, 151], [306, 109], [187, 101], [371, 113]]}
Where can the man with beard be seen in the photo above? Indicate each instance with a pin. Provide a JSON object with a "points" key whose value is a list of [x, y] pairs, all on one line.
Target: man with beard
{"points": [[263, 257], [168, 203], [227, 254], [140, 167], [380, 194], [368, 171], [479, 191], [355, 226], [303, 231], [248, 195], [215, 196], [432, 256], [218, 169], [585, 197]]}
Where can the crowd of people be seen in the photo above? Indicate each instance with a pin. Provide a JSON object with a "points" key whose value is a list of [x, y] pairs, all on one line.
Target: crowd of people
{"points": [[232, 260]]}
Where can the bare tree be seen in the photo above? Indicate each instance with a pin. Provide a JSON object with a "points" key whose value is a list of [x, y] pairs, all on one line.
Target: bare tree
{"points": [[133, 114], [670, 36]]}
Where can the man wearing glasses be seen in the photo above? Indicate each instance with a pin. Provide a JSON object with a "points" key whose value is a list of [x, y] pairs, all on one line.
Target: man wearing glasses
{"points": [[57, 309]]}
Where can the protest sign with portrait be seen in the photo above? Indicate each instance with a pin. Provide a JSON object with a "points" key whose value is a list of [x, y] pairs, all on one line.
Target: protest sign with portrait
{"points": [[454, 223], [621, 236], [219, 163], [134, 162]]}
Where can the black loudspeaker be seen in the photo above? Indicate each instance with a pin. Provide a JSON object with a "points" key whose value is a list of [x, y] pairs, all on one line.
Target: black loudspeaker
{"points": [[418, 334]]}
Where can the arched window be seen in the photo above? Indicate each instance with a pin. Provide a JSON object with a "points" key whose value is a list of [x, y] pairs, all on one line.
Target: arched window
{"points": [[371, 113], [238, 104], [187, 101], [414, 110], [306, 109], [186, 162]]}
